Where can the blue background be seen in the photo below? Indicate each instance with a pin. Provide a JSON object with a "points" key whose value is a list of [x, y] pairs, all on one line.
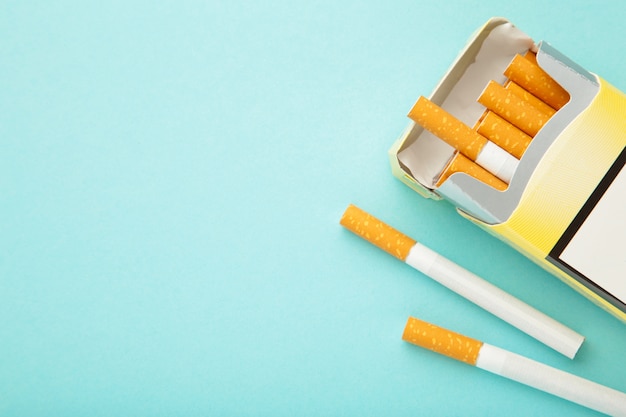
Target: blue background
{"points": [[172, 175]]}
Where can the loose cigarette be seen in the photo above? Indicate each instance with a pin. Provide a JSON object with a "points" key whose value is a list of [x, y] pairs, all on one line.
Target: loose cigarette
{"points": [[531, 56], [503, 134], [461, 163], [512, 108], [532, 78], [531, 99], [463, 282], [516, 367], [467, 141]]}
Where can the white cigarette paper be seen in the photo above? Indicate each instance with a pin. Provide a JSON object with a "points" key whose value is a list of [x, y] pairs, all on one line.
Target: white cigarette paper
{"points": [[551, 380], [497, 161]]}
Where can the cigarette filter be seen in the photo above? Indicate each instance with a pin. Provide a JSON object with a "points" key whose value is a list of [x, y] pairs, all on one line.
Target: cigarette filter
{"points": [[461, 163], [531, 99], [504, 134], [531, 56], [463, 282], [467, 141], [512, 108], [516, 367], [532, 78]]}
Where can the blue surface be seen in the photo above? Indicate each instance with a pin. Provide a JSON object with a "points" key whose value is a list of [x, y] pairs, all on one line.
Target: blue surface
{"points": [[172, 176]]}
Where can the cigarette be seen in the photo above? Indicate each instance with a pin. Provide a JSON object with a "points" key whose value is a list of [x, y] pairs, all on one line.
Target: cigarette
{"points": [[467, 141], [531, 99], [503, 134], [461, 163], [516, 367], [512, 108], [532, 78], [475, 289]]}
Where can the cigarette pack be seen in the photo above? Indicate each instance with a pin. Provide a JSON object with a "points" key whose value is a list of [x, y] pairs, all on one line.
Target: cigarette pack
{"points": [[565, 205]]}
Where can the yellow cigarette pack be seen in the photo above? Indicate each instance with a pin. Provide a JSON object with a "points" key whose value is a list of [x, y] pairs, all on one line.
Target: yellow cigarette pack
{"points": [[565, 205]]}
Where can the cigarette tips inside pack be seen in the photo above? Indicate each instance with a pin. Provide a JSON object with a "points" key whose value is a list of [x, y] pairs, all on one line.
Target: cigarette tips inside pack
{"points": [[530, 146]]}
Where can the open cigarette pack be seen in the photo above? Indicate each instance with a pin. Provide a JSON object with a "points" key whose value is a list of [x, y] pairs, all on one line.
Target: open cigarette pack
{"points": [[531, 147]]}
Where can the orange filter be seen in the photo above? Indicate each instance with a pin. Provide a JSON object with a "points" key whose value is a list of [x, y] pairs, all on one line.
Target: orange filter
{"points": [[376, 232], [520, 92], [531, 56], [447, 128], [504, 134], [443, 341], [461, 163], [512, 108], [536, 81]]}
